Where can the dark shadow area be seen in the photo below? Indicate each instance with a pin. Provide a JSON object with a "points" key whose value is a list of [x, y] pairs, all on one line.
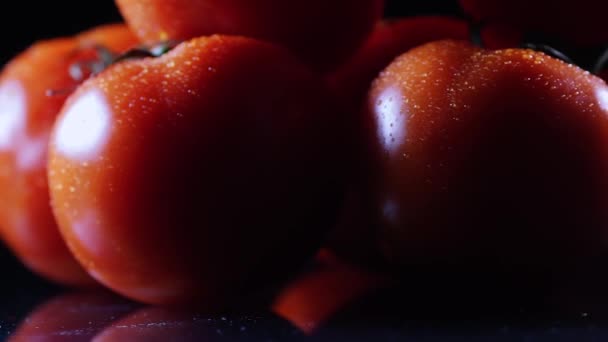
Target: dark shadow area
{"points": [[20, 291]]}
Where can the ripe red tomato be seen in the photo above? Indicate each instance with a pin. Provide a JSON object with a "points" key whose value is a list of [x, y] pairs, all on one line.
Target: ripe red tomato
{"points": [[393, 38], [198, 177], [77, 316], [323, 33], [26, 116], [576, 23], [496, 159], [354, 236]]}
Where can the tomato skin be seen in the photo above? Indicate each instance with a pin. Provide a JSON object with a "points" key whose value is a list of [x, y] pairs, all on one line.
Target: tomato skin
{"points": [[393, 38], [154, 323], [26, 221], [159, 324], [494, 160], [355, 237], [322, 33], [561, 19], [205, 174]]}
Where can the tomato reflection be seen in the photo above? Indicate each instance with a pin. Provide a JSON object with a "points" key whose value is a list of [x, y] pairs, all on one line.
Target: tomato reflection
{"points": [[313, 298], [73, 317], [162, 324], [34, 86], [12, 112]]}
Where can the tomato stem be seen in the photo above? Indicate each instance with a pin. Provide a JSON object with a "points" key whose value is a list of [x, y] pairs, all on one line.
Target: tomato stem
{"points": [[86, 68], [475, 29], [601, 62], [145, 51], [548, 50], [104, 57]]}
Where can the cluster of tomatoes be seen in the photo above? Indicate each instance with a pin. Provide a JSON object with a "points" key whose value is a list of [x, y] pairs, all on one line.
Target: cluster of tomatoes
{"points": [[206, 149]]}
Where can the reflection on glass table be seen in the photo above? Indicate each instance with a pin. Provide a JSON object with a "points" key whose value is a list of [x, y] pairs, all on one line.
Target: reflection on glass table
{"points": [[332, 301]]}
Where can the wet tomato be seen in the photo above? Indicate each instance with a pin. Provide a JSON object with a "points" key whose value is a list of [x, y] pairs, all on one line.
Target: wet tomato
{"points": [[392, 38], [323, 33], [354, 237], [198, 177], [27, 112], [493, 160]]}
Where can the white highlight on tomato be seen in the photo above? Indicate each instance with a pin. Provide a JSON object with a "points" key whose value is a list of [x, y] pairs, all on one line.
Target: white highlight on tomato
{"points": [[84, 127], [390, 119], [602, 97], [13, 108]]}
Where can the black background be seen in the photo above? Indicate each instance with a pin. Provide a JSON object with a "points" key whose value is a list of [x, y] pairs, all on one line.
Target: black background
{"points": [[19, 28]]}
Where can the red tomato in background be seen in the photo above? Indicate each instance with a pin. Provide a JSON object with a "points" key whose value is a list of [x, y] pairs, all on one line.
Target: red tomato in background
{"points": [[574, 22], [314, 297], [322, 33], [494, 160], [165, 324], [161, 324], [355, 236], [27, 113], [198, 177], [392, 38]]}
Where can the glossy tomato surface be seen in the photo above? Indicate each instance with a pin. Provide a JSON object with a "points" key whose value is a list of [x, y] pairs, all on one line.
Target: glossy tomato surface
{"points": [[200, 176], [33, 87], [355, 235], [322, 33], [392, 38], [490, 159]]}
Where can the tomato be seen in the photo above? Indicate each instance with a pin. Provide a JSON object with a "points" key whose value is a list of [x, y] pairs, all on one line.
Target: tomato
{"points": [[391, 38], [575, 23], [79, 316], [355, 234], [323, 33], [314, 297], [198, 177], [163, 324], [493, 160], [26, 116]]}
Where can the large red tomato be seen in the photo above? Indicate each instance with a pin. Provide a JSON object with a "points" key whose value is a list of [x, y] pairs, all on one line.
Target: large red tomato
{"points": [[355, 236], [27, 112], [201, 176], [392, 38], [323, 33], [495, 160]]}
